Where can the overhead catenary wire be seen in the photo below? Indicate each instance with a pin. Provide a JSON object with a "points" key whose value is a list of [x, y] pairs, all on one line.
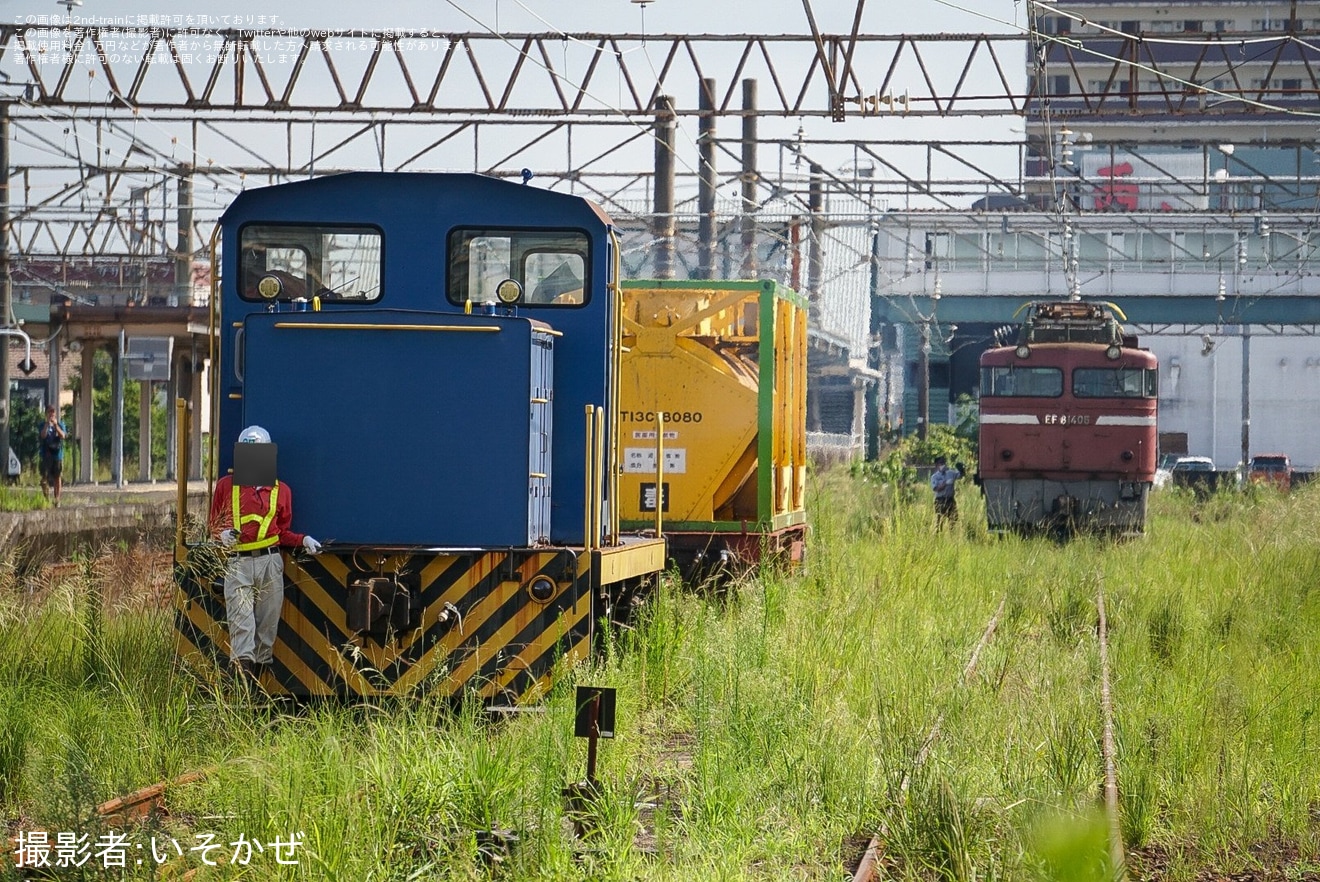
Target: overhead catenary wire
{"points": [[1062, 200], [1040, 5], [732, 205], [727, 203]]}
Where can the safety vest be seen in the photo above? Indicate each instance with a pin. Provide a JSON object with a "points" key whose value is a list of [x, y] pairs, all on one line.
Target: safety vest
{"points": [[263, 522]]}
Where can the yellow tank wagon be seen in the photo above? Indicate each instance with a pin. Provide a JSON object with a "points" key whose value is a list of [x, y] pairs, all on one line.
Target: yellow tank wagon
{"points": [[719, 371]]}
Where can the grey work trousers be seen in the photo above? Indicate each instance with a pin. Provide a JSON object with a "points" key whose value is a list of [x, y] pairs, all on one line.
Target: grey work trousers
{"points": [[254, 596]]}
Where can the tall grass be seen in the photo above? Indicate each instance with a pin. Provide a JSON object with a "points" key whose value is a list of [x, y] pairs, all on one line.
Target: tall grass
{"points": [[761, 733]]}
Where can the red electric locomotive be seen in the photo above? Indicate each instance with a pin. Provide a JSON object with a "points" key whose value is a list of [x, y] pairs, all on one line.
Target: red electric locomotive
{"points": [[1068, 432]]}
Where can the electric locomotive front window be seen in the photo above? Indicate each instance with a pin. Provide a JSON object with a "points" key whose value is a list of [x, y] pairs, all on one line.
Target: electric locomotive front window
{"points": [[292, 262], [1021, 382], [551, 266], [1114, 383]]}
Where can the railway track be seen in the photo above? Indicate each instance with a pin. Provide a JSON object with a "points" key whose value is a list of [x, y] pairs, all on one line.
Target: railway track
{"points": [[869, 867], [119, 813]]}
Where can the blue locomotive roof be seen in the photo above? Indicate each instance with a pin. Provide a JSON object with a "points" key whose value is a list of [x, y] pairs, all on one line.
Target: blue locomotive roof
{"points": [[403, 197]]}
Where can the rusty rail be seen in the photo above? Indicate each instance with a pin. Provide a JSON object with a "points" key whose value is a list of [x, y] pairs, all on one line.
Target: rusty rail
{"points": [[145, 802], [1116, 856], [866, 868]]}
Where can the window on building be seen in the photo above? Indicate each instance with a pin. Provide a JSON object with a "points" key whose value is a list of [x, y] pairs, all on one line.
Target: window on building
{"points": [[1056, 24], [1093, 249], [968, 250], [1155, 248], [937, 249], [1032, 250], [1118, 247]]}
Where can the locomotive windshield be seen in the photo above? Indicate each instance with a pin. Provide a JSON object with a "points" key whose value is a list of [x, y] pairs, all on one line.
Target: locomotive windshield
{"points": [[1115, 383], [288, 262], [1025, 382], [551, 266]]}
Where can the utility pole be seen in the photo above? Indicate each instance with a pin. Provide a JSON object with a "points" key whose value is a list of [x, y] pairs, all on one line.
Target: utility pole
{"points": [[749, 178], [662, 222], [707, 182], [923, 381], [1246, 394], [6, 288], [874, 403]]}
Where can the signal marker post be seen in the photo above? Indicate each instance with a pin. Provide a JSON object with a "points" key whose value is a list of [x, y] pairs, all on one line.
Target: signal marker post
{"points": [[594, 720]]}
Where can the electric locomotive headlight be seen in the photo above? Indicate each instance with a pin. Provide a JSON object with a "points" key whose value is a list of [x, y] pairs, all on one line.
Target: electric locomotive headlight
{"points": [[1127, 455], [1113, 352], [269, 287], [1023, 350], [509, 291], [1005, 454]]}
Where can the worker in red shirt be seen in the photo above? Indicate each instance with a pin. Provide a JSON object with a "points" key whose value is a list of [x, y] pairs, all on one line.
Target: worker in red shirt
{"points": [[253, 523]]}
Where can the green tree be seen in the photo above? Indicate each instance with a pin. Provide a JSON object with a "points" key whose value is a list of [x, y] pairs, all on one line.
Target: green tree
{"points": [[25, 416], [899, 465], [103, 415]]}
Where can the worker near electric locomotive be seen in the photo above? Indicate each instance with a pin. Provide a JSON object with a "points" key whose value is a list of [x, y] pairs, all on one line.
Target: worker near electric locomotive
{"points": [[943, 482], [253, 523]]}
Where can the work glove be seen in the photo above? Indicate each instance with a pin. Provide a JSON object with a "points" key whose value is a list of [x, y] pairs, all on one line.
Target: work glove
{"points": [[228, 538], [311, 546]]}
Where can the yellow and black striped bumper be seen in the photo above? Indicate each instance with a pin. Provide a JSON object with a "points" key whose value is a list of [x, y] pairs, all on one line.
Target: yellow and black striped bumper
{"points": [[467, 622]]}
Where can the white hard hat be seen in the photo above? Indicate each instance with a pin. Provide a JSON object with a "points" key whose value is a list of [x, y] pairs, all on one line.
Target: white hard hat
{"points": [[254, 435]]}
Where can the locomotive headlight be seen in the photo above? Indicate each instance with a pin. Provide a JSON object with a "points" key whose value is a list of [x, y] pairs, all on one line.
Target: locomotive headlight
{"points": [[1127, 455], [509, 291], [542, 588], [1113, 352], [269, 287], [1023, 350], [1005, 454]]}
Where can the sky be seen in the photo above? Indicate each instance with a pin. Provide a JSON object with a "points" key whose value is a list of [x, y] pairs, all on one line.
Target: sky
{"points": [[537, 16], [601, 17]]}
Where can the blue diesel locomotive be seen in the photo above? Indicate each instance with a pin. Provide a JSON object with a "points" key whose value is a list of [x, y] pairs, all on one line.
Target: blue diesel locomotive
{"points": [[436, 357]]}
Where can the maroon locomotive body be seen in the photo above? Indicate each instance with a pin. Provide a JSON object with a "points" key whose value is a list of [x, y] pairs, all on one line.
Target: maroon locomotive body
{"points": [[1068, 423]]}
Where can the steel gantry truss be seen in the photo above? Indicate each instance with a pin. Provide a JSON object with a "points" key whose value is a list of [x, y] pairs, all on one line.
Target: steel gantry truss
{"points": [[106, 120], [493, 74], [187, 71], [122, 144]]}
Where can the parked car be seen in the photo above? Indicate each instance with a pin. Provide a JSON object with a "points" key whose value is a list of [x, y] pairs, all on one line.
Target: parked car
{"points": [[1197, 472], [1164, 471], [1272, 469]]}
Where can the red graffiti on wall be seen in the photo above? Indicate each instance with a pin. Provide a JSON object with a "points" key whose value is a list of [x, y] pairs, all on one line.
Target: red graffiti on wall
{"points": [[1113, 195]]}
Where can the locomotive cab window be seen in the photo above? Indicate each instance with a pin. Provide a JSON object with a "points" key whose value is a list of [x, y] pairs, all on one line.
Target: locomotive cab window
{"points": [[292, 262], [550, 266], [1114, 383], [1025, 382]]}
